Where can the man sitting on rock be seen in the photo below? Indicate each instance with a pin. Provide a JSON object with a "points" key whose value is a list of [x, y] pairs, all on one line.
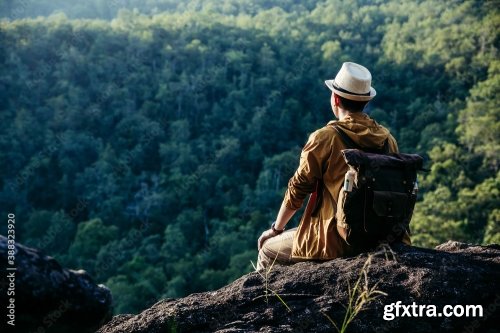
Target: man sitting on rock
{"points": [[321, 172]]}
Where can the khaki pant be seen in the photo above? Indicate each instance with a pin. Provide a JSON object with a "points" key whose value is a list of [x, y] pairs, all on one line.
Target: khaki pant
{"points": [[277, 249]]}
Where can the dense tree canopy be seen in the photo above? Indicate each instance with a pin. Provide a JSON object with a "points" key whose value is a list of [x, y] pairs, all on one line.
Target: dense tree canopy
{"points": [[150, 142]]}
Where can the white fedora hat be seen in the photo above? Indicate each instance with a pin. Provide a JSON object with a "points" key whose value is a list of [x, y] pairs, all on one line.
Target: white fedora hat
{"points": [[353, 82]]}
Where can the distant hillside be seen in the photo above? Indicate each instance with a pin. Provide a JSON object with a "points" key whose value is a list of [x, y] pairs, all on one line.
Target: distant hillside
{"points": [[108, 9], [152, 150]]}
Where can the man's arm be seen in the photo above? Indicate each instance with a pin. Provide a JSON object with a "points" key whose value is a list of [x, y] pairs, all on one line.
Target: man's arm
{"points": [[284, 215], [303, 182]]}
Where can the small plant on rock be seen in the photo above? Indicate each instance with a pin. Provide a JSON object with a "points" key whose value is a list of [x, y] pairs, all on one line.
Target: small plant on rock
{"points": [[360, 295]]}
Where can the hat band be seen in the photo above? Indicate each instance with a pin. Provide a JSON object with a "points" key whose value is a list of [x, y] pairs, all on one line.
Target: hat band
{"points": [[347, 91]]}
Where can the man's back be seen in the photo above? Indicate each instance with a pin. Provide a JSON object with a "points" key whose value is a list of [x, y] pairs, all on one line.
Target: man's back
{"points": [[322, 163]]}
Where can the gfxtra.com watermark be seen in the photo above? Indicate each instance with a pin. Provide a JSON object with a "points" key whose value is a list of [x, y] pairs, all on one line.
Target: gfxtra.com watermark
{"points": [[397, 309]]}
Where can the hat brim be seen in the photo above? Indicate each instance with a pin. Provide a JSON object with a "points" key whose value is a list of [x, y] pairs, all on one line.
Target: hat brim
{"points": [[373, 92]]}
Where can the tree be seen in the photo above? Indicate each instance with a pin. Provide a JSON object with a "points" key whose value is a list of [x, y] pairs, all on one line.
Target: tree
{"points": [[90, 237]]}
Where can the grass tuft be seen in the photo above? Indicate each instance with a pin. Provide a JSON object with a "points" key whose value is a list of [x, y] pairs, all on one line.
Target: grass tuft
{"points": [[360, 295]]}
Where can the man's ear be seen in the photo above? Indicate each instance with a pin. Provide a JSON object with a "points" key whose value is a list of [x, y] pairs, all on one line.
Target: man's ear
{"points": [[337, 99]]}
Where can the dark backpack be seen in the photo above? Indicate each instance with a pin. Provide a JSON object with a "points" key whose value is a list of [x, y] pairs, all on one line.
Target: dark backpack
{"points": [[380, 206]]}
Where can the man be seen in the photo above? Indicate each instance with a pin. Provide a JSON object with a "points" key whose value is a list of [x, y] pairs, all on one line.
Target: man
{"points": [[321, 170]]}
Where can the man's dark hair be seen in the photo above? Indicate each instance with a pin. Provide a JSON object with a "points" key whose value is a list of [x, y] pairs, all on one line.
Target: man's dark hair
{"points": [[352, 106]]}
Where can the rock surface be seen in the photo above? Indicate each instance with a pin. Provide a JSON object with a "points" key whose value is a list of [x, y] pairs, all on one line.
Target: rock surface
{"points": [[454, 273], [49, 298]]}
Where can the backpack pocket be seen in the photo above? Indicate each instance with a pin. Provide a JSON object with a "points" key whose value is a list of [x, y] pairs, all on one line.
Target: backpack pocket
{"points": [[340, 217], [390, 204], [390, 215], [349, 216]]}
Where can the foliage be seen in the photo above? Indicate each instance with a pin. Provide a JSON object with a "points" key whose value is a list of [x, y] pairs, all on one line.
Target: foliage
{"points": [[150, 142]]}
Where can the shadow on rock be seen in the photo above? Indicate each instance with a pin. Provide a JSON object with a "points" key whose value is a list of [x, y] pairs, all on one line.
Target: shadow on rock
{"points": [[49, 298]]}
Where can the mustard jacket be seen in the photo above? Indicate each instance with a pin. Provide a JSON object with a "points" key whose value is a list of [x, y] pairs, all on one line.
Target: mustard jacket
{"points": [[321, 162]]}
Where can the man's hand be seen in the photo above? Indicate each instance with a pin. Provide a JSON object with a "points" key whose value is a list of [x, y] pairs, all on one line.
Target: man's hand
{"points": [[265, 235]]}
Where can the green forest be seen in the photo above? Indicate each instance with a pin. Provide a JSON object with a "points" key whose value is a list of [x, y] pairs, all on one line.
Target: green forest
{"points": [[150, 142]]}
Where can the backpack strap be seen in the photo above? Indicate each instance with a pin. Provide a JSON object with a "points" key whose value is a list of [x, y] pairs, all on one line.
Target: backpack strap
{"points": [[350, 144]]}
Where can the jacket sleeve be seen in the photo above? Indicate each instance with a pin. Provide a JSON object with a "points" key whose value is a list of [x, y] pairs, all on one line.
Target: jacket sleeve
{"points": [[393, 145], [310, 170]]}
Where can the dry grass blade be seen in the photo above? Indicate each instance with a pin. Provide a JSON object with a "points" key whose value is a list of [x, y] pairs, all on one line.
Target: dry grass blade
{"points": [[359, 296], [266, 281]]}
